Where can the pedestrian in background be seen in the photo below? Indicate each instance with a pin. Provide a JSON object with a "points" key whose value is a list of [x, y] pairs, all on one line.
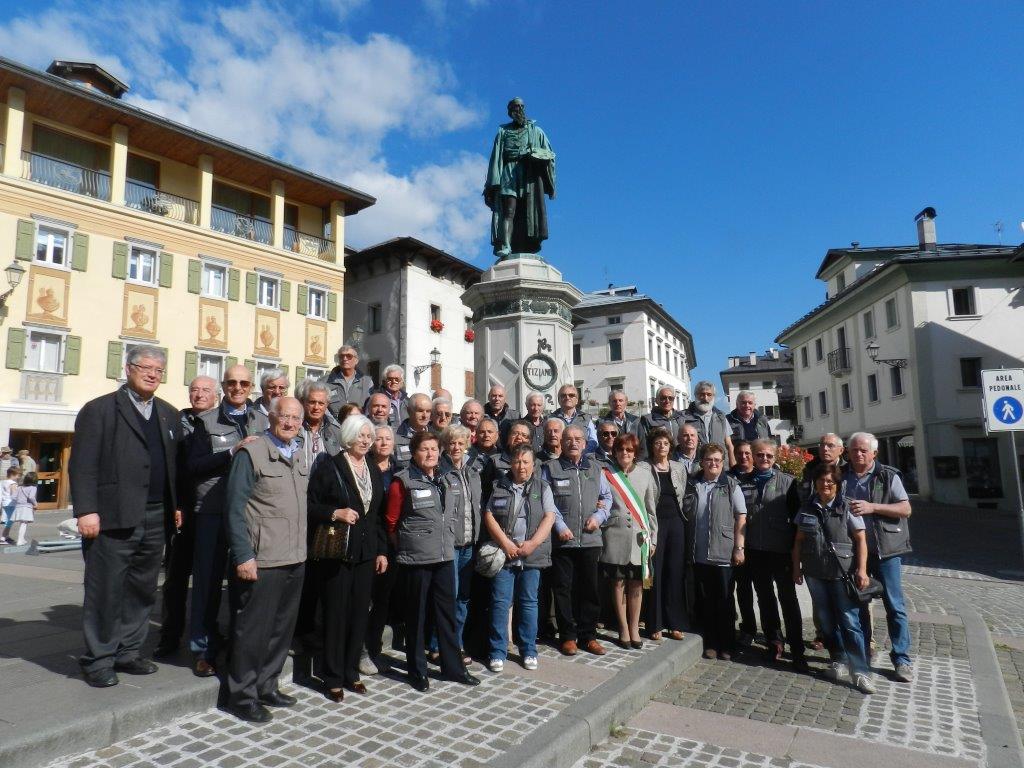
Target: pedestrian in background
{"points": [[24, 507], [7, 488]]}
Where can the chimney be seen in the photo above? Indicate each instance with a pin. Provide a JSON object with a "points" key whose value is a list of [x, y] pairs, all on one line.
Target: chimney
{"points": [[753, 358], [926, 229]]}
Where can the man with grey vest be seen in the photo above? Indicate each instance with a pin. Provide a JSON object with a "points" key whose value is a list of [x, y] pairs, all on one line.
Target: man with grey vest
{"points": [[534, 416], [568, 411], [583, 499], [879, 498], [498, 408], [711, 424], [129, 436], [219, 435], [418, 408], [663, 414], [266, 525], [346, 382], [746, 421]]}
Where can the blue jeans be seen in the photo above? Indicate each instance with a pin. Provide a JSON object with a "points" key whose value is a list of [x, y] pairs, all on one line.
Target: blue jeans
{"points": [[839, 619], [890, 572], [522, 583], [463, 570]]}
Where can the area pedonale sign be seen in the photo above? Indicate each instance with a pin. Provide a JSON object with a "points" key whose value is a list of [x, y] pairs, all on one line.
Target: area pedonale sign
{"points": [[1003, 393]]}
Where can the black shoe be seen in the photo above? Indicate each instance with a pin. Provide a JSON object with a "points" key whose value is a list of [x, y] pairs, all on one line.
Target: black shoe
{"points": [[278, 699], [419, 683], [165, 649], [465, 678], [101, 678], [136, 667], [800, 665], [253, 712]]}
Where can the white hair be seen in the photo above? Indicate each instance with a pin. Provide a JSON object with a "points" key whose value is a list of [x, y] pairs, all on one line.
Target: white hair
{"points": [[345, 348], [146, 351], [440, 401], [705, 385], [614, 392], [746, 393], [308, 386], [533, 395], [351, 427], [380, 427], [393, 368], [834, 436], [454, 432], [872, 440], [410, 404], [271, 374]]}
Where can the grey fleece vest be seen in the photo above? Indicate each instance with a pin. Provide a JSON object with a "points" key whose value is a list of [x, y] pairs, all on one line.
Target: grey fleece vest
{"points": [[892, 534], [276, 509], [457, 484], [500, 505], [816, 558], [576, 492], [721, 519], [769, 528], [426, 530]]}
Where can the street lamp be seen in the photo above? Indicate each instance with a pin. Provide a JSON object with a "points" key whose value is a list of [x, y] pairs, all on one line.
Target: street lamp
{"points": [[435, 358], [893, 362], [14, 272]]}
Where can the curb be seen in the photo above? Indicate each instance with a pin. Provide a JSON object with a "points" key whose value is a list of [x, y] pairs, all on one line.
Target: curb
{"points": [[587, 722]]}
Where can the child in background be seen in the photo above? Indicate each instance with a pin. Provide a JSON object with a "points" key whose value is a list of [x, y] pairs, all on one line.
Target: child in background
{"points": [[7, 488], [24, 506]]}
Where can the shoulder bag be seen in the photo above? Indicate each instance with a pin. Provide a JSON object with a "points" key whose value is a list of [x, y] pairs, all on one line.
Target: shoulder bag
{"points": [[331, 540], [863, 596]]}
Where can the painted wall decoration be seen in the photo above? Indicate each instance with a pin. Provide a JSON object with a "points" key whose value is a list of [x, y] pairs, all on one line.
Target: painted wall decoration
{"points": [[267, 334], [213, 324], [48, 291], [138, 318], [316, 342]]}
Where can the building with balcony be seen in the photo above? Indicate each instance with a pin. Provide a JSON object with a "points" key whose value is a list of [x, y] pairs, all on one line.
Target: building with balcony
{"points": [[403, 304], [897, 349], [132, 229], [624, 339], [770, 378]]}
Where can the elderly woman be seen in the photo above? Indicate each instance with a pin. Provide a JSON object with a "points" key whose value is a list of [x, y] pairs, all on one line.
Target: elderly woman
{"points": [[717, 513], [666, 604], [348, 489], [383, 456], [424, 539], [630, 535], [830, 543], [518, 518]]}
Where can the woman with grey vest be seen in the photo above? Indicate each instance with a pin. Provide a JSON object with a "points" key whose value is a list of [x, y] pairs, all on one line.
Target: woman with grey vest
{"points": [[518, 518], [717, 513], [830, 544], [630, 535], [422, 527]]}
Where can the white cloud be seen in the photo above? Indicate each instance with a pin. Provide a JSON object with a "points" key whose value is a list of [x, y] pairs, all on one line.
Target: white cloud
{"points": [[315, 98]]}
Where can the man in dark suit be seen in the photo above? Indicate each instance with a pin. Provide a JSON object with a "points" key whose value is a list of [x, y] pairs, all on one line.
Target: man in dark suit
{"points": [[123, 480]]}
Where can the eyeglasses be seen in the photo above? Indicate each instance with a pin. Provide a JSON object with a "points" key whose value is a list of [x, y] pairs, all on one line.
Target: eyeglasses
{"points": [[825, 481], [763, 455], [289, 418], [610, 433], [567, 395], [276, 387], [148, 369], [237, 383], [392, 378], [712, 461], [347, 354], [666, 398]]}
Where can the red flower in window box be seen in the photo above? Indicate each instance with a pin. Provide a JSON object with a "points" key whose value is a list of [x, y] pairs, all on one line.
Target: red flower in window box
{"points": [[436, 326], [470, 335]]}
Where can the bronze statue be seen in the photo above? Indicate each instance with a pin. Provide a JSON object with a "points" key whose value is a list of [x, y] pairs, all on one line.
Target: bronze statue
{"points": [[521, 172]]}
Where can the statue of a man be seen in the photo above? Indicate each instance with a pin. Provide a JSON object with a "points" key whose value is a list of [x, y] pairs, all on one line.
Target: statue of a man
{"points": [[521, 172]]}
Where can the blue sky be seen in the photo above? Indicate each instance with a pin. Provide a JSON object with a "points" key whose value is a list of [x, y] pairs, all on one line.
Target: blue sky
{"points": [[708, 153]]}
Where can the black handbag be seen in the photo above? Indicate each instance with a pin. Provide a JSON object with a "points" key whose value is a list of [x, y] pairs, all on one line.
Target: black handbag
{"points": [[331, 540], [863, 596]]}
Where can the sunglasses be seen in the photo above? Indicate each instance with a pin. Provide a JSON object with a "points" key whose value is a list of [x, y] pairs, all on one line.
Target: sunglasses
{"points": [[613, 433], [237, 383]]}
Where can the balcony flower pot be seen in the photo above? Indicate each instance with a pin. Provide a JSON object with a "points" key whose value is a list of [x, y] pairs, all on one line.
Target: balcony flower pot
{"points": [[470, 335], [436, 326]]}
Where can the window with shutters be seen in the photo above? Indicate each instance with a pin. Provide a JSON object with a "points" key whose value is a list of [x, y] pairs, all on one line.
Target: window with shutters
{"points": [[269, 292], [615, 349], [316, 305], [43, 352], [215, 282], [211, 365], [52, 246], [315, 373], [142, 265]]}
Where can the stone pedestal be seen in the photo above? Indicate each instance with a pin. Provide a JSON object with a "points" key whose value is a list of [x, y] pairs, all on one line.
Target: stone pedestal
{"points": [[522, 315]]}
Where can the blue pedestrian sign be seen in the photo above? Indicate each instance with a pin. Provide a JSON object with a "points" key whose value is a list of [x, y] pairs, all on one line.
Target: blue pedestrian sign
{"points": [[1007, 410], [1003, 391]]}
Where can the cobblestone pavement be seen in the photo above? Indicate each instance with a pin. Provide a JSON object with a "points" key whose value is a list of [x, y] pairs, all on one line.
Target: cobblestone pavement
{"points": [[1011, 662], [1001, 604]]}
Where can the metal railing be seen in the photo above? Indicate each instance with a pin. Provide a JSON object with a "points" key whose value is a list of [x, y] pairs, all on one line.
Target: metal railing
{"points": [[145, 198], [66, 176], [42, 387], [309, 245], [840, 362], [233, 223]]}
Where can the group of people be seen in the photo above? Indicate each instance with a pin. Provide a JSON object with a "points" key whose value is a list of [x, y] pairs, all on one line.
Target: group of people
{"points": [[18, 487], [338, 507]]}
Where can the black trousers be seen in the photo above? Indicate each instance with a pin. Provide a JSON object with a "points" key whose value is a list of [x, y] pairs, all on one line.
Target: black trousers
{"points": [[771, 571], [261, 632], [715, 606], [308, 602], [577, 596], [344, 590], [431, 588], [122, 567], [209, 563], [545, 601], [387, 593], [666, 600], [177, 572], [745, 599]]}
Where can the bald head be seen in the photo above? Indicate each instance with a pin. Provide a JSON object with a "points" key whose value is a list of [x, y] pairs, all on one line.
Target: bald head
{"points": [[237, 385]]}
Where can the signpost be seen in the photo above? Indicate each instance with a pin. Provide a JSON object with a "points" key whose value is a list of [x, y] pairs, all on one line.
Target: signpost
{"points": [[1003, 395]]}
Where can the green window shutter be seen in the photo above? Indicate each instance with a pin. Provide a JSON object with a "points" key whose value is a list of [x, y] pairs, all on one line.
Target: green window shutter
{"points": [[114, 352], [167, 362], [166, 269], [228, 362], [285, 369], [120, 265], [191, 365], [300, 374], [195, 277], [233, 280], [15, 348], [302, 300], [286, 296], [26, 242], [72, 354], [332, 306], [80, 252], [251, 366], [251, 281]]}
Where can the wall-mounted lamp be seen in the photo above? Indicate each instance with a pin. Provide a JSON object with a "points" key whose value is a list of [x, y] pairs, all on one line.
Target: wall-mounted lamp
{"points": [[435, 358], [14, 272], [893, 362]]}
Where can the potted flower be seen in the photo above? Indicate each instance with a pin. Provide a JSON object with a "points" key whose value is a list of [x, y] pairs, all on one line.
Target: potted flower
{"points": [[792, 459], [436, 325], [470, 335]]}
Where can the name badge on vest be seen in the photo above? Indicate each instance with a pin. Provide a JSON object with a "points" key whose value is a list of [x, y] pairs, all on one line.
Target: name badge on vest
{"points": [[562, 484], [420, 493], [220, 443], [403, 452], [500, 503]]}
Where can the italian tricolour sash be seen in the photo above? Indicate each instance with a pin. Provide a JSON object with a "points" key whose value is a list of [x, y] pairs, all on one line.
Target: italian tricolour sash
{"points": [[635, 506]]}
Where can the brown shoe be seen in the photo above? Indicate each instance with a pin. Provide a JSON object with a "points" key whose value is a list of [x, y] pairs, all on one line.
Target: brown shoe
{"points": [[203, 668], [358, 687], [594, 647], [569, 648], [675, 634], [710, 653], [656, 637]]}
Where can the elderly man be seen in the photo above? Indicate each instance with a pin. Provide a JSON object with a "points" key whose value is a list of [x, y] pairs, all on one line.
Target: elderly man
{"points": [[535, 418], [273, 384], [742, 467], [881, 500], [607, 431], [583, 499], [320, 433], [378, 409], [440, 415], [830, 451], [346, 383], [219, 434], [488, 439], [393, 385], [497, 408], [133, 436], [711, 424], [470, 416], [625, 422], [266, 525], [553, 428], [663, 414], [418, 420], [202, 396], [746, 421], [568, 407], [686, 452]]}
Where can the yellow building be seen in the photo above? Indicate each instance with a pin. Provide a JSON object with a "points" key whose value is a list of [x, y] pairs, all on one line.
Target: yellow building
{"points": [[125, 228]]}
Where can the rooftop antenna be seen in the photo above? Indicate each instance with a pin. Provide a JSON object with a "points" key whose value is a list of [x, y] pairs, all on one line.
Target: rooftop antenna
{"points": [[998, 227]]}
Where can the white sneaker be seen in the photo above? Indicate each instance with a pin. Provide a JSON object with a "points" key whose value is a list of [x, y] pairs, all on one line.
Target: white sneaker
{"points": [[496, 665], [839, 671], [863, 683], [530, 662], [367, 665]]}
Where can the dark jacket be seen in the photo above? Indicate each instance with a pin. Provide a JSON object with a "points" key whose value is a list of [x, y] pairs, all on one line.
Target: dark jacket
{"points": [[649, 421], [367, 537], [505, 419], [891, 534], [357, 391], [770, 512], [109, 467], [208, 453], [760, 424], [816, 558]]}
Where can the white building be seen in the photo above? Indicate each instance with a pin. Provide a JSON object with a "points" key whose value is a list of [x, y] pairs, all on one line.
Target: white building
{"points": [[625, 340], [770, 378], [397, 293], [934, 315]]}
